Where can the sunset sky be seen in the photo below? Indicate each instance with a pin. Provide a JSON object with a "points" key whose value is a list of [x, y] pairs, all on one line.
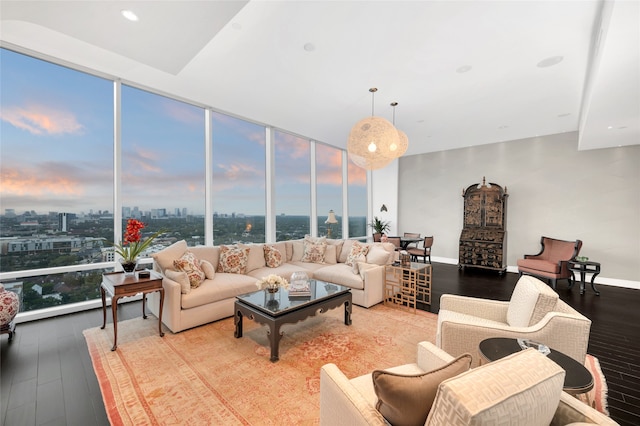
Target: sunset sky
{"points": [[57, 151]]}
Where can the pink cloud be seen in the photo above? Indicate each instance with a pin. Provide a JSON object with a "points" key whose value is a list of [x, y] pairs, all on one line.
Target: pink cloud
{"points": [[29, 183], [41, 119], [183, 112]]}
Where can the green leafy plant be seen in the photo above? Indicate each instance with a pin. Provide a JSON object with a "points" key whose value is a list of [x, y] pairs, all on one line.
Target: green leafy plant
{"points": [[379, 226]]}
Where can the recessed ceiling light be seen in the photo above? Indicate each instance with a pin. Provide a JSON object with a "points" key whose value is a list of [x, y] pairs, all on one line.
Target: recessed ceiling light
{"points": [[609, 127], [503, 127], [309, 47], [566, 114], [128, 14], [463, 69], [549, 62]]}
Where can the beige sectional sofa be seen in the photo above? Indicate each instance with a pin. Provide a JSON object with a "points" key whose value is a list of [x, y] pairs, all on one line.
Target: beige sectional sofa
{"points": [[186, 307]]}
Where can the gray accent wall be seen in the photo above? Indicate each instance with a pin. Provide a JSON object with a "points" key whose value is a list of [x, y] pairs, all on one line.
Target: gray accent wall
{"points": [[554, 190]]}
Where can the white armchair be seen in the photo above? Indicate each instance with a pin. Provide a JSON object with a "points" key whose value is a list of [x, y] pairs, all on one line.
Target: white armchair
{"points": [[534, 312], [505, 395]]}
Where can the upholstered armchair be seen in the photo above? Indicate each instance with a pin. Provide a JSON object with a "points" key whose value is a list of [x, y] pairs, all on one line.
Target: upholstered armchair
{"points": [[552, 263], [534, 312], [523, 388]]}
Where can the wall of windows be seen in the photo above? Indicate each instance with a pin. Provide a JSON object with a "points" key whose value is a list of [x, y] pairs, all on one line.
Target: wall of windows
{"points": [[292, 170], [68, 181], [238, 180], [163, 166], [329, 188]]}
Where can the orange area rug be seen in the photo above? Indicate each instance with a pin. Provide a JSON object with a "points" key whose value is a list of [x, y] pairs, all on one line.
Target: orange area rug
{"points": [[205, 376]]}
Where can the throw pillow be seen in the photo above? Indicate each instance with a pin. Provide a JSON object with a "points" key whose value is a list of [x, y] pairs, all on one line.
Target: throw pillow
{"points": [[378, 255], [357, 249], [313, 251], [256, 257], [355, 268], [181, 278], [165, 257], [233, 260], [297, 248], [272, 256], [208, 269], [189, 264], [407, 399]]}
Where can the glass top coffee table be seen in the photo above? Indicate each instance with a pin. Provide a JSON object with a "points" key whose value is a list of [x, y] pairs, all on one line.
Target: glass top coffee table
{"points": [[276, 309], [577, 378]]}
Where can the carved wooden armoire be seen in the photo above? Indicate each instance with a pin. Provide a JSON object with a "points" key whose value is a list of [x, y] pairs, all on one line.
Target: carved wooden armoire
{"points": [[483, 241]]}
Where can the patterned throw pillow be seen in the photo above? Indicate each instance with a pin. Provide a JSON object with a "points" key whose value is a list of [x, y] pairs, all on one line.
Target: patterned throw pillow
{"points": [[357, 249], [272, 256], [233, 260], [314, 251], [191, 266]]}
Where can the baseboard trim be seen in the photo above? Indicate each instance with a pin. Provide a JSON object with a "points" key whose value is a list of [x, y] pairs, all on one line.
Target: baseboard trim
{"points": [[600, 280]]}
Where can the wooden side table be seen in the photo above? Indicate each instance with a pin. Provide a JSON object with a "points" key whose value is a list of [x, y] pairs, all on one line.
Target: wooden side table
{"points": [[117, 285], [583, 267], [407, 285]]}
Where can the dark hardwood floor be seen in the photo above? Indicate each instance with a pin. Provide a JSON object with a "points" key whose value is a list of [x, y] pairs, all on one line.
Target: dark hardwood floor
{"points": [[47, 377]]}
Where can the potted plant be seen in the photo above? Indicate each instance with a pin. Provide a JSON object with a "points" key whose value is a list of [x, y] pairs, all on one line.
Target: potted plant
{"points": [[378, 226], [132, 245]]}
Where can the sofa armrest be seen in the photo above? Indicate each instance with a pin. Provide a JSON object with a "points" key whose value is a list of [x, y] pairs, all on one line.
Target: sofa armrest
{"points": [[373, 285], [172, 304], [494, 310], [572, 410], [430, 357], [341, 403]]}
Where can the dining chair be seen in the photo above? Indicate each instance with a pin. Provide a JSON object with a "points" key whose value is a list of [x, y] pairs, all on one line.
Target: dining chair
{"points": [[411, 235], [423, 252]]}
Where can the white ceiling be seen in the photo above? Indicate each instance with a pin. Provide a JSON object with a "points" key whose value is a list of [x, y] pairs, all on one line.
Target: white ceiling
{"points": [[248, 58]]}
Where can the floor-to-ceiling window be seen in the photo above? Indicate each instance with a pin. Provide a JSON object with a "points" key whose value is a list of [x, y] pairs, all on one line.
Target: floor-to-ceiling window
{"points": [[329, 189], [163, 166], [238, 180], [292, 170], [357, 199], [56, 178]]}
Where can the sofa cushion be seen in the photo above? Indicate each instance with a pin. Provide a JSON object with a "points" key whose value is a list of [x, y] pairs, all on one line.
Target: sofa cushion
{"points": [[285, 270], [233, 260], [523, 388], [330, 254], [530, 301], [208, 269], [313, 251], [338, 244], [209, 253], [297, 251], [179, 277], [272, 256], [165, 257], [378, 255], [224, 286], [346, 249], [357, 249], [363, 267], [407, 399], [540, 265], [341, 274], [189, 264], [255, 258]]}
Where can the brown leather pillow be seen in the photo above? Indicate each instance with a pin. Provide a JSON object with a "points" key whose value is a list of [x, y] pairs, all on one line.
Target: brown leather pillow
{"points": [[407, 399]]}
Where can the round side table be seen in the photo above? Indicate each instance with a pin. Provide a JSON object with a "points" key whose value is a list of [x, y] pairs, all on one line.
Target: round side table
{"points": [[583, 267]]}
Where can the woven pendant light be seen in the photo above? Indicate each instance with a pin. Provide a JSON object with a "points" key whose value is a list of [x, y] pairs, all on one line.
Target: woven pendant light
{"points": [[371, 140]]}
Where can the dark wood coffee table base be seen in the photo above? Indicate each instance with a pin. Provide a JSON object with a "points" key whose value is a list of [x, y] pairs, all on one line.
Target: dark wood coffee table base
{"points": [[576, 380], [290, 317]]}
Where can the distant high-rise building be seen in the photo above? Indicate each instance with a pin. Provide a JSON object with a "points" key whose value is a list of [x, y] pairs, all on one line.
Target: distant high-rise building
{"points": [[10, 212], [184, 212], [126, 212], [64, 220]]}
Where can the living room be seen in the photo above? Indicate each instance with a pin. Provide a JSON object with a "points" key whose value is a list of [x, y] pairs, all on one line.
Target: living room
{"points": [[565, 179]]}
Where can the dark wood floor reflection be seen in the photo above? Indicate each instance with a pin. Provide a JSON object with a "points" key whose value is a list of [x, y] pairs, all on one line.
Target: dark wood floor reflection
{"points": [[47, 377]]}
